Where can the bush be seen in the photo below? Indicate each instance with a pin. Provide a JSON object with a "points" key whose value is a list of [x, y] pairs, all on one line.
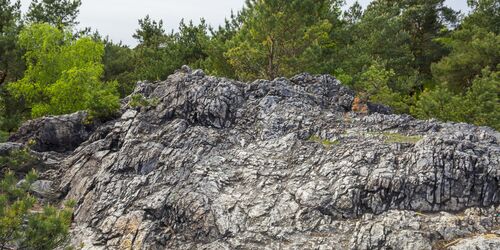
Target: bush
{"points": [[480, 105], [138, 100], [22, 225], [64, 74], [18, 160]]}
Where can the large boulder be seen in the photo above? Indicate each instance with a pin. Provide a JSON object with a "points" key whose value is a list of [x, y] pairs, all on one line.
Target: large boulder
{"points": [[54, 133], [212, 163]]}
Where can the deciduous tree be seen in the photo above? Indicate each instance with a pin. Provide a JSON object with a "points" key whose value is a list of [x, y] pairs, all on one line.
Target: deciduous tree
{"points": [[63, 74]]}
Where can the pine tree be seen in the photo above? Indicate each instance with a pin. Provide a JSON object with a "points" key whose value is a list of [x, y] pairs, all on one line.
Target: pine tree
{"points": [[276, 37], [23, 228], [474, 46], [60, 13]]}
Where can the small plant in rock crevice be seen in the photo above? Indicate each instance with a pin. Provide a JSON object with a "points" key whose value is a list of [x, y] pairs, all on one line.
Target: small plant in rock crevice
{"points": [[400, 138], [325, 142], [138, 100]]}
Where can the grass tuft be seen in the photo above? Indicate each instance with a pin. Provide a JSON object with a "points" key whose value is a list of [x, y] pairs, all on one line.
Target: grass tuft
{"points": [[400, 138], [325, 142]]}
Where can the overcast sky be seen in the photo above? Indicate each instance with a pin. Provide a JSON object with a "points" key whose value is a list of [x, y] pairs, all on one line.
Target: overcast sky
{"points": [[118, 18]]}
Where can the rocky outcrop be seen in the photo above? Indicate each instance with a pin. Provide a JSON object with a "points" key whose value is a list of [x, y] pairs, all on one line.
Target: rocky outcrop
{"points": [[55, 133], [211, 163]]}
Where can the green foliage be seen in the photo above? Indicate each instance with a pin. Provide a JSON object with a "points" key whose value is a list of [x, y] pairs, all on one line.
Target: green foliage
{"points": [[190, 42], [401, 34], [12, 111], [482, 100], [63, 74], [60, 13], [469, 74], [103, 100], [474, 46], [18, 160], [153, 60], [373, 86], [119, 66], [486, 15], [409, 42], [21, 226], [159, 55], [417, 56], [480, 104], [10, 63], [439, 103], [216, 45], [138, 100], [48, 228], [4, 136], [411, 55], [150, 33], [279, 38]]}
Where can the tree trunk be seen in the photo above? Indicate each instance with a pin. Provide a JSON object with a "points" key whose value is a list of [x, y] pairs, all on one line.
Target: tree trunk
{"points": [[3, 76], [270, 58]]}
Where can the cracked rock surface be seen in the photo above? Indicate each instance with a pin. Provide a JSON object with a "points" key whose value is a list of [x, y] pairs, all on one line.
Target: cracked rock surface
{"points": [[213, 163]]}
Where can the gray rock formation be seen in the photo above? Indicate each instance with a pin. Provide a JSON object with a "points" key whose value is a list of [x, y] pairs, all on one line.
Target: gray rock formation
{"points": [[54, 133], [212, 163]]}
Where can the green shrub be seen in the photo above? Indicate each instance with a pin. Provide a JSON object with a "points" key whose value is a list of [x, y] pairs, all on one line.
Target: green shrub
{"points": [[18, 160], [22, 225], [138, 100], [4, 136]]}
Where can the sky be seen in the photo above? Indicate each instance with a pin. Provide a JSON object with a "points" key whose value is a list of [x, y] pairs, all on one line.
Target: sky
{"points": [[118, 18]]}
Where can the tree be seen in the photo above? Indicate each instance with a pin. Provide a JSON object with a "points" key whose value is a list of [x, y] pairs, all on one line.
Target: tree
{"points": [[118, 61], [402, 34], [354, 14], [278, 36], [60, 13], [153, 60], [215, 63], [11, 63], [437, 103], [63, 74], [472, 50], [479, 105], [378, 35], [373, 86], [159, 54], [425, 21], [485, 14], [150, 33], [191, 41], [22, 227], [474, 46], [482, 100], [10, 16]]}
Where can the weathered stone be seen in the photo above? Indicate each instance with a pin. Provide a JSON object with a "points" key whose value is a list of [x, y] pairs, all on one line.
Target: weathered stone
{"points": [[8, 147], [283, 164], [54, 133], [481, 242], [44, 189]]}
